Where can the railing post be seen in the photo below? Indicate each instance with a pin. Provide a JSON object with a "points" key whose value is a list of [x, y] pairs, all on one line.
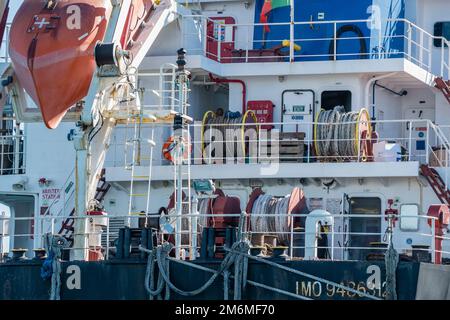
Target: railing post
{"points": [[248, 46], [204, 22], [107, 238], [442, 58], [430, 54], [446, 170], [335, 41], [258, 160], [409, 41], [448, 63], [427, 154], [2, 242], [39, 228], [309, 142], [332, 240], [433, 241], [219, 42], [410, 140], [16, 156], [292, 32], [291, 253], [210, 142], [2, 156], [421, 48]]}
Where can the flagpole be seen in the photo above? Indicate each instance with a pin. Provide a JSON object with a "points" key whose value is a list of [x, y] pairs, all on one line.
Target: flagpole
{"points": [[292, 29]]}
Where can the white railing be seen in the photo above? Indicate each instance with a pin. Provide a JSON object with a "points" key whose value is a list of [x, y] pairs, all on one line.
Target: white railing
{"points": [[214, 144], [12, 154], [417, 43], [412, 43], [342, 243], [445, 130], [67, 198]]}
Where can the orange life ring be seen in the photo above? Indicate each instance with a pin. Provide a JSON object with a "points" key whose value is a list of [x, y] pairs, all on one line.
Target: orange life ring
{"points": [[169, 148]]}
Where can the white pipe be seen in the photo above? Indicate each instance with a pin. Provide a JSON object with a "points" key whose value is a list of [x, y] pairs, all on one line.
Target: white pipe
{"points": [[369, 85], [311, 230]]}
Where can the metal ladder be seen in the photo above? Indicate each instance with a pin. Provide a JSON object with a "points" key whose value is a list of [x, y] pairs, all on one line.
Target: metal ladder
{"points": [[135, 121], [437, 183], [444, 86], [67, 228], [182, 165], [137, 141], [183, 195]]}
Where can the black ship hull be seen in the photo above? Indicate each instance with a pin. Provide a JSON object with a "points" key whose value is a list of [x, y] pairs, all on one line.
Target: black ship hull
{"points": [[124, 280]]}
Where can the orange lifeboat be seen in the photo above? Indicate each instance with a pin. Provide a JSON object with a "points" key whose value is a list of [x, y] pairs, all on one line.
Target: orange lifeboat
{"points": [[52, 50]]}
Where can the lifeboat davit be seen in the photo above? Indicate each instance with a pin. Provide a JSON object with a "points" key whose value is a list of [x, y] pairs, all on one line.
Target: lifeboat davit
{"points": [[52, 49]]}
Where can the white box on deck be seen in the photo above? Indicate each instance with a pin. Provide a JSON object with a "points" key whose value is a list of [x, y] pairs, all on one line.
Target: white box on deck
{"points": [[387, 152]]}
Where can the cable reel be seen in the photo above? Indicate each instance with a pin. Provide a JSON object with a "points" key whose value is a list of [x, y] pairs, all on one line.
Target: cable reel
{"points": [[230, 125], [111, 54], [342, 136]]}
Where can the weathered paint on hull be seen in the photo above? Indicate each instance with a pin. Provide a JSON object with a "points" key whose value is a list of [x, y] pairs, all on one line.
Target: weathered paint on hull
{"points": [[124, 280]]}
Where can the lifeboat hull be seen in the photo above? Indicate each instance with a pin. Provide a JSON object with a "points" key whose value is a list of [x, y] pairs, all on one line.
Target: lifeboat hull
{"points": [[52, 51]]}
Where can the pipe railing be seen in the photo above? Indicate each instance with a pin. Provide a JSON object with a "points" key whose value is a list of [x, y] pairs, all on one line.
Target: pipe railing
{"points": [[414, 43], [12, 154], [266, 146], [338, 246]]}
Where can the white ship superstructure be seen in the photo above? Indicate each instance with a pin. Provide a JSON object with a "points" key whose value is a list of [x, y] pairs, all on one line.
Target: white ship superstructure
{"points": [[388, 58]]}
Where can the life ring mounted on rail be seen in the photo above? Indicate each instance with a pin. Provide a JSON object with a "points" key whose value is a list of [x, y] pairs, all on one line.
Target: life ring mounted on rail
{"points": [[168, 149]]}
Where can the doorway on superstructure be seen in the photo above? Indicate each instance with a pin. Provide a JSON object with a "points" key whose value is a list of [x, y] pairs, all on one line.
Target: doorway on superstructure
{"points": [[17, 218], [334, 98], [364, 226]]}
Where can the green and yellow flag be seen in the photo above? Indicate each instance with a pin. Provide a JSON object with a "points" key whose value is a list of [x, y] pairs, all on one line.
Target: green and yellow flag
{"points": [[268, 6]]}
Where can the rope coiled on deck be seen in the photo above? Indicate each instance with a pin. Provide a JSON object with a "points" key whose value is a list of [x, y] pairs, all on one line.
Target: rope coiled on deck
{"points": [[159, 257], [161, 254]]}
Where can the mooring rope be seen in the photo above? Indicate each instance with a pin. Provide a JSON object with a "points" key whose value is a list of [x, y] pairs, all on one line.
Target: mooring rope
{"points": [[51, 268], [161, 254], [391, 259]]}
